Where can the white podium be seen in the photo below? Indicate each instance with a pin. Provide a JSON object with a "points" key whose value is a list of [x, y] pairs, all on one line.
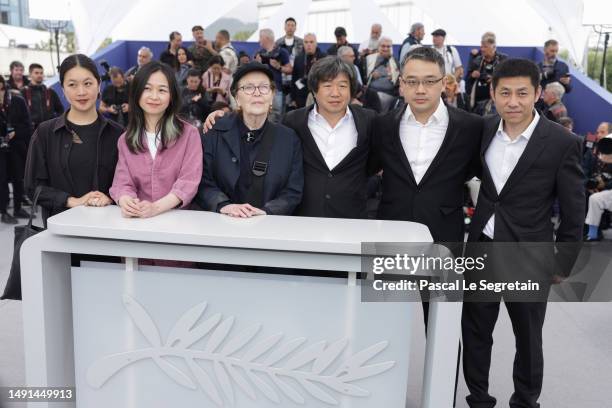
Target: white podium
{"points": [[129, 335]]}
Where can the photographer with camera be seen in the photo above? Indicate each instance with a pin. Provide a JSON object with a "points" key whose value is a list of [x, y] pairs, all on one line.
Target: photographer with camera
{"points": [[15, 130], [194, 104], [202, 50], [278, 60], [114, 103], [552, 69], [480, 73], [590, 159], [600, 187]]}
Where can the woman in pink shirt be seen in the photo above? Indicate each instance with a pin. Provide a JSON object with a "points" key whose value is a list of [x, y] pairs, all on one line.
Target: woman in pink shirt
{"points": [[160, 156], [216, 82]]}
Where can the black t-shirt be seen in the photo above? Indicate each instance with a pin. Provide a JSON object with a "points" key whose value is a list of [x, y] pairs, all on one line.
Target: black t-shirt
{"points": [[83, 159], [249, 147], [116, 96]]}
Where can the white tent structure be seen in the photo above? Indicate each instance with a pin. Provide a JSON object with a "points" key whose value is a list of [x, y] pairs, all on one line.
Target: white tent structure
{"points": [[516, 22]]}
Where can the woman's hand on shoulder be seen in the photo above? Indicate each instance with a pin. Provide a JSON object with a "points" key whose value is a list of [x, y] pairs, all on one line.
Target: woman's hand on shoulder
{"points": [[210, 119]]}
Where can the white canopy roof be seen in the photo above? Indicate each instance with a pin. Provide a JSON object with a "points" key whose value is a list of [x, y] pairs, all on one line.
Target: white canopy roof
{"points": [[13, 35], [515, 22]]}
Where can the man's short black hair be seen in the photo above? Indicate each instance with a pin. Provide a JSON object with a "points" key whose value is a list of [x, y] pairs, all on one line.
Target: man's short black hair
{"points": [[290, 19], [426, 54], [517, 67], [194, 72], [34, 66], [197, 28], [173, 35], [328, 68]]}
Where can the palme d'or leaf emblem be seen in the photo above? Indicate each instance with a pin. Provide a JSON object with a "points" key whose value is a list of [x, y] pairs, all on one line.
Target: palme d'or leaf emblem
{"points": [[265, 366]]}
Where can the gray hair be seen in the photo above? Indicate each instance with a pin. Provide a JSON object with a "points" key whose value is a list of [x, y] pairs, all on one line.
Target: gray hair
{"points": [[557, 89], [146, 49], [328, 68], [385, 40], [311, 35], [416, 26], [267, 32], [489, 38], [426, 54], [342, 51]]}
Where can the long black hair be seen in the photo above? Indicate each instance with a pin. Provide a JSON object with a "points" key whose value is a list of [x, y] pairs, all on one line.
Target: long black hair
{"points": [[78, 60], [169, 126]]}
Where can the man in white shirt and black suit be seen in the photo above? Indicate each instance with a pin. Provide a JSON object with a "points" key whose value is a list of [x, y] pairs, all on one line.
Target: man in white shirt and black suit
{"points": [[528, 163], [427, 151], [336, 140]]}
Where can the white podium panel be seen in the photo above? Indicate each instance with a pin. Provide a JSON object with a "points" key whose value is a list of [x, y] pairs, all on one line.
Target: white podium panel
{"points": [[162, 337], [172, 337]]}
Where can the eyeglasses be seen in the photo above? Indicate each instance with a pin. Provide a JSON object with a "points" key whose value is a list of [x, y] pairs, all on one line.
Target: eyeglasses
{"points": [[264, 89], [427, 83]]}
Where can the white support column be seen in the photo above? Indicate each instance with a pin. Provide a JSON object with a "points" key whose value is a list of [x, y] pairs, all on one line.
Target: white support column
{"points": [[443, 334]]}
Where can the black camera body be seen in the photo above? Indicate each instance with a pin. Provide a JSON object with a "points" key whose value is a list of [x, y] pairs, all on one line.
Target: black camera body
{"points": [[266, 56], [593, 182], [106, 76], [604, 146]]}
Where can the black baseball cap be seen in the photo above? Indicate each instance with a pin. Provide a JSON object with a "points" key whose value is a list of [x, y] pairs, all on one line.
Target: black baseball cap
{"points": [[339, 32], [439, 32], [253, 66]]}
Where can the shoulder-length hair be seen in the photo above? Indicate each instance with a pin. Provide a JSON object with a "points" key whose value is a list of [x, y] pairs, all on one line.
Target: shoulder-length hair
{"points": [[169, 126]]}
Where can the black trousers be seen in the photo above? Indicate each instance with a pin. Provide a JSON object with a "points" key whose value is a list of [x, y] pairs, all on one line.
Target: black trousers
{"points": [[4, 190], [16, 169], [477, 324]]}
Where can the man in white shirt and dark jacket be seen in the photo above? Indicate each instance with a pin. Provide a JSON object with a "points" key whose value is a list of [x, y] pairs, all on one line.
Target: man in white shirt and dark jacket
{"points": [[528, 163], [337, 139], [427, 151]]}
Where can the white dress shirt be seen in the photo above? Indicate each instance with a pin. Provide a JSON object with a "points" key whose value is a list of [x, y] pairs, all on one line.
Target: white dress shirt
{"points": [[501, 157], [333, 143], [421, 142]]}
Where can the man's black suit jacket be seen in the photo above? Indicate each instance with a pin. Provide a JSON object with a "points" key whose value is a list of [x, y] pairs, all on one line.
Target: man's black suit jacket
{"points": [[549, 169], [341, 191], [437, 201]]}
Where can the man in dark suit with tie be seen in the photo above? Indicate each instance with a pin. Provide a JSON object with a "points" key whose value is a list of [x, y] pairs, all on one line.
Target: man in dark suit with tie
{"points": [[528, 163], [427, 151]]}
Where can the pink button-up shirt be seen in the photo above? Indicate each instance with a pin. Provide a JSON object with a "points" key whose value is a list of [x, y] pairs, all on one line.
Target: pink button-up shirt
{"points": [[177, 169]]}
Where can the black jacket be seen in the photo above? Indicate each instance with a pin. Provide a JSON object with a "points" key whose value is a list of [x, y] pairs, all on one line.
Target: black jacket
{"points": [[300, 74], [341, 192], [284, 180], [47, 163], [437, 201], [549, 169], [43, 103], [14, 112]]}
